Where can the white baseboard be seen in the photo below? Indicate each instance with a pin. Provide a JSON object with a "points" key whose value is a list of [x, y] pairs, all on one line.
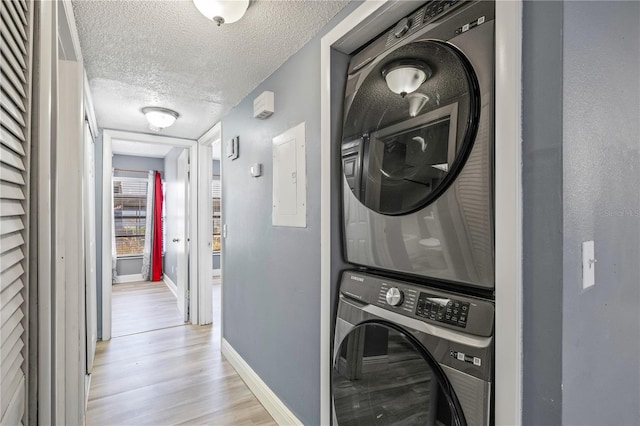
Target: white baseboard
{"points": [[280, 413], [217, 272], [170, 284], [129, 278]]}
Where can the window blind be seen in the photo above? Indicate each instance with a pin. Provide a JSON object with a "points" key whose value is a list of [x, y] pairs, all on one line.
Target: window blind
{"points": [[129, 214], [216, 192]]}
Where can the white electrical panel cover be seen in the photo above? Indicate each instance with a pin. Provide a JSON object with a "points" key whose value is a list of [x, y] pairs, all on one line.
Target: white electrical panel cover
{"points": [[290, 178]]}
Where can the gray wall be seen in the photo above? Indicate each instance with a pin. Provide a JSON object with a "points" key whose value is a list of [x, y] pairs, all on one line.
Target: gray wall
{"points": [[170, 178], [542, 210], [129, 265], [272, 274], [581, 156], [133, 265], [601, 181]]}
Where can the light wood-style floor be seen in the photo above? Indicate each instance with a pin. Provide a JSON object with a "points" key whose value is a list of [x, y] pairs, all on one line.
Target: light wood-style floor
{"points": [[143, 306], [167, 375]]}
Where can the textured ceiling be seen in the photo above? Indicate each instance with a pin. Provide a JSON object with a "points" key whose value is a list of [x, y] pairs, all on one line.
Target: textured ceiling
{"points": [[165, 53]]}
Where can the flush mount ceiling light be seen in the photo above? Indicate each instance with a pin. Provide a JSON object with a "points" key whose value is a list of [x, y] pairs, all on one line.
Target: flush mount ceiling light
{"points": [[405, 76], [160, 118], [222, 11]]}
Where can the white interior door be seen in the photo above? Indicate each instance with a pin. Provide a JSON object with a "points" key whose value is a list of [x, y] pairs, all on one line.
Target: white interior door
{"points": [[91, 317], [181, 233]]}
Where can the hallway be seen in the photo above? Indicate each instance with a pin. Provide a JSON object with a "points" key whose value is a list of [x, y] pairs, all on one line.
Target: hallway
{"points": [[170, 375]]}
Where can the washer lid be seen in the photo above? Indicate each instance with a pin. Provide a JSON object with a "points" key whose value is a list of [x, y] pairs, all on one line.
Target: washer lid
{"points": [[416, 113], [383, 376]]}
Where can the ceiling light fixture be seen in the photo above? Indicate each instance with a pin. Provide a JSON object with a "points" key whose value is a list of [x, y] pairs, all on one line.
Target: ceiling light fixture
{"points": [[222, 11], [405, 76], [160, 118], [417, 101]]}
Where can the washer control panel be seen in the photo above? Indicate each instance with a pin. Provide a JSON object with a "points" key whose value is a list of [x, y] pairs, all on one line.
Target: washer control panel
{"points": [[437, 8], [443, 309], [456, 311]]}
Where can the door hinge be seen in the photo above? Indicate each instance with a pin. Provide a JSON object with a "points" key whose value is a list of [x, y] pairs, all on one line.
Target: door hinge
{"points": [[188, 294]]}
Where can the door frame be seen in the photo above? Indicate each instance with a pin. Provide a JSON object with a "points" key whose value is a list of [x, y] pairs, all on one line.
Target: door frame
{"points": [[205, 143], [107, 217], [180, 229], [361, 25]]}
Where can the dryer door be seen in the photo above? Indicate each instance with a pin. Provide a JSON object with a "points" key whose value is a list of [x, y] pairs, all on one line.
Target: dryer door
{"points": [[406, 149], [384, 376]]}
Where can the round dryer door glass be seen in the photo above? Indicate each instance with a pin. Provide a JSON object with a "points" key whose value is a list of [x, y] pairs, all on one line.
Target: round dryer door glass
{"points": [[381, 376], [409, 126]]}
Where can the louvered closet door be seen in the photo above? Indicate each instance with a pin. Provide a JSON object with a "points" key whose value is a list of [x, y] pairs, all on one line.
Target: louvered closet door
{"points": [[15, 77]]}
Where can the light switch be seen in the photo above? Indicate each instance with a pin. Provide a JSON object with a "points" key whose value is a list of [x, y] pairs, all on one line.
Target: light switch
{"points": [[588, 265]]}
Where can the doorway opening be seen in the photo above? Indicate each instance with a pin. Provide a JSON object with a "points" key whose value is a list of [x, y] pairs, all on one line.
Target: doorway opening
{"points": [[149, 231], [149, 242]]}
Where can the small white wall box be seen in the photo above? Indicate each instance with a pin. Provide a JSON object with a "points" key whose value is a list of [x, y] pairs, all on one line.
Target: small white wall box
{"points": [[256, 170], [263, 105], [232, 147], [290, 179]]}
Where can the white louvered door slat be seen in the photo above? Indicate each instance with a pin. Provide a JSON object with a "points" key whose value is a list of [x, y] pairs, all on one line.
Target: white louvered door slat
{"points": [[12, 323], [10, 124], [11, 224], [10, 208], [16, 17], [12, 61], [11, 43], [23, 3], [10, 258], [10, 191], [11, 241], [9, 141], [11, 102], [11, 342], [9, 174], [9, 105], [10, 21], [15, 33], [20, 11], [16, 79], [10, 158], [10, 275]]}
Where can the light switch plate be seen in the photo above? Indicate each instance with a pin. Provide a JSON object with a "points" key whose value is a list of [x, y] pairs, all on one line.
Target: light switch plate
{"points": [[588, 265]]}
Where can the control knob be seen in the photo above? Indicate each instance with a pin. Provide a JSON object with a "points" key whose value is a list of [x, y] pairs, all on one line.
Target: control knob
{"points": [[395, 296], [402, 27]]}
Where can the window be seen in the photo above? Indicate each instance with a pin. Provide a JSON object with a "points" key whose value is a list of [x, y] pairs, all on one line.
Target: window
{"points": [[216, 243], [129, 213]]}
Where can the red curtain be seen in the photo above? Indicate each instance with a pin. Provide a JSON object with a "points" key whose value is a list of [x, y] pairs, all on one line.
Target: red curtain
{"points": [[156, 248]]}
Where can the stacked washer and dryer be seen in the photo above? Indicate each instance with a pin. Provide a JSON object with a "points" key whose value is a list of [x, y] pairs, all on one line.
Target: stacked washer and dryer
{"points": [[413, 342]]}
